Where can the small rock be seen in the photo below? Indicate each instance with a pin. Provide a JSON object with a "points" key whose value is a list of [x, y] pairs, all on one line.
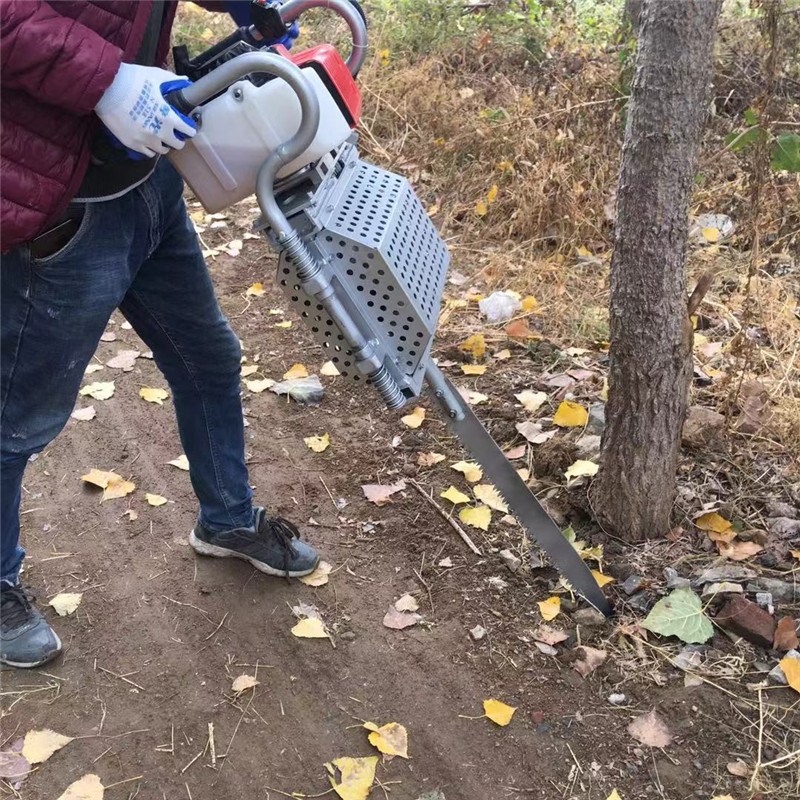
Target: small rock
{"points": [[782, 591], [764, 599], [729, 572], [769, 559], [642, 602], [478, 632], [597, 419], [784, 526], [547, 649], [589, 617], [617, 699], [589, 447], [510, 560], [675, 581], [348, 636], [702, 426], [777, 675], [777, 508], [747, 620], [632, 584], [725, 587]]}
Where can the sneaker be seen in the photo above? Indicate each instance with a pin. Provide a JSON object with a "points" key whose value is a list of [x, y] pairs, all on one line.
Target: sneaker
{"points": [[26, 640], [273, 546]]}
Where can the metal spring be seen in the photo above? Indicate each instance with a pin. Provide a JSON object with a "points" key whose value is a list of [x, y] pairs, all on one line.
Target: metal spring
{"points": [[307, 266], [388, 388]]}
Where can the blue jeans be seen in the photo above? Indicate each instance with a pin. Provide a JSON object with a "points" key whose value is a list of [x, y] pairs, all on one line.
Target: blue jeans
{"points": [[139, 253]]}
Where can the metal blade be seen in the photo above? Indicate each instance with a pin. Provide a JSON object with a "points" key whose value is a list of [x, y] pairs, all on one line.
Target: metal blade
{"points": [[536, 522]]}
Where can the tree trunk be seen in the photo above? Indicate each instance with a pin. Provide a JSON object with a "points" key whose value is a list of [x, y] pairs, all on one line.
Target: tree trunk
{"points": [[651, 335]]}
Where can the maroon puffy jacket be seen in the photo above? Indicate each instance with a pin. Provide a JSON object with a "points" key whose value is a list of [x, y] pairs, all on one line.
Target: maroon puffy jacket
{"points": [[56, 60]]}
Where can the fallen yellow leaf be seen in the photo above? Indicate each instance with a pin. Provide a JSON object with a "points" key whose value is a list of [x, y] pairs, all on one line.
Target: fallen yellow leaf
{"points": [[319, 577], [319, 444], [473, 369], [615, 795], [481, 208], [711, 521], [357, 776], [310, 628], [531, 401], [530, 305], [256, 290], [711, 235], [99, 391], [497, 712], [329, 369], [249, 370], [181, 462], [155, 500], [791, 669], [581, 469], [472, 472], [429, 459], [505, 166], [549, 608], [244, 682], [65, 603], [475, 345], [795, 554], [391, 738], [503, 355], [257, 386], [478, 517], [98, 477], [40, 745], [601, 579], [492, 195], [117, 487], [487, 494], [88, 787], [415, 418], [153, 395], [295, 371], [454, 496], [570, 415]]}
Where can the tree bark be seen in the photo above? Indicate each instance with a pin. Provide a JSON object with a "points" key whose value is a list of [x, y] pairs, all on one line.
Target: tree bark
{"points": [[651, 335], [632, 13]]}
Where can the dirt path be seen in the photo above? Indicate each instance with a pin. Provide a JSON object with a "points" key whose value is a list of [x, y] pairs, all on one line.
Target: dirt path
{"points": [[152, 650]]}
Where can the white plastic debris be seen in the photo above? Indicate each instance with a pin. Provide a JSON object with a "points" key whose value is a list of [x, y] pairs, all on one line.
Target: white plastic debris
{"points": [[499, 306], [711, 228]]}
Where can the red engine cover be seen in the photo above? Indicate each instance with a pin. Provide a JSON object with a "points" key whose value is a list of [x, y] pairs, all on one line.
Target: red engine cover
{"points": [[330, 66]]}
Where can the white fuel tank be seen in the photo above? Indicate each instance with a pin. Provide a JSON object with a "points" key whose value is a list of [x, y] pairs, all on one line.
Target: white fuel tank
{"points": [[239, 129]]}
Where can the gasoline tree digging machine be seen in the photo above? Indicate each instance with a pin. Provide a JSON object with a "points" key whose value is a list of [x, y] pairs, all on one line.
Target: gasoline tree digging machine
{"points": [[360, 260]]}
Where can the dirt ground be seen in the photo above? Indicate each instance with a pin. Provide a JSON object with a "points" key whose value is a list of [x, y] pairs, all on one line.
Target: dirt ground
{"points": [[152, 650]]}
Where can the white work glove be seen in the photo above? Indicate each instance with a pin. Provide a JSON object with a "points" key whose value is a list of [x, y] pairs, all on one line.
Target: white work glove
{"points": [[135, 111]]}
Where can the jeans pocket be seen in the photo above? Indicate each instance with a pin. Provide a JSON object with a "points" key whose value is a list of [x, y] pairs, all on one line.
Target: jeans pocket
{"points": [[80, 213]]}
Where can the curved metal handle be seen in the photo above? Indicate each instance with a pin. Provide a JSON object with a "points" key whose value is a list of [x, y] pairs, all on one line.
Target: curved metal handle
{"points": [[231, 71], [292, 9]]}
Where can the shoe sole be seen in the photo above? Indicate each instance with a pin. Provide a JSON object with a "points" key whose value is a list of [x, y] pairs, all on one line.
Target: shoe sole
{"points": [[33, 664], [205, 549]]}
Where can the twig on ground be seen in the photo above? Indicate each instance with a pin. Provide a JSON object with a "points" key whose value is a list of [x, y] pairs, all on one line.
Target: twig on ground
{"points": [[453, 524]]}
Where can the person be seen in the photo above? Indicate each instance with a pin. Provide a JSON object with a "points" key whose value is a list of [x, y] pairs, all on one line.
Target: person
{"points": [[86, 229]]}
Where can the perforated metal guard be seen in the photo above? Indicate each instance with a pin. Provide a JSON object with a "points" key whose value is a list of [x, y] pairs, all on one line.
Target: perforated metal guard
{"points": [[388, 265]]}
